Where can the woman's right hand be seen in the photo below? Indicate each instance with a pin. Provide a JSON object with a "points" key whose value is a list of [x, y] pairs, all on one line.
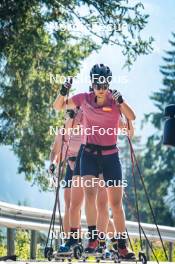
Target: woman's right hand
{"points": [[52, 168], [66, 87]]}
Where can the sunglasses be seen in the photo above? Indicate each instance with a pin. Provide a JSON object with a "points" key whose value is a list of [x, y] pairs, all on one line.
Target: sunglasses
{"points": [[100, 86]]}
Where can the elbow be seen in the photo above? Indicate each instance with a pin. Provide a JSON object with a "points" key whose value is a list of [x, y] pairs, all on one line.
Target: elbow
{"points": [[132, 116], [128, 111], [57, 106]]}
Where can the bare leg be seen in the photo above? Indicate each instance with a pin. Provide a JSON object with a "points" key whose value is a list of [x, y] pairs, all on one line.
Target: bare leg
{"points": [[102, 208], [115, 195], [67, 194], [90, 199], [77, 196]]}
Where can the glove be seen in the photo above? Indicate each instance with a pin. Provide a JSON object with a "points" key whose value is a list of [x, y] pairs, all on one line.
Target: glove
{"points": [[66, 87], [71, 113], [52, 168], [117, 96]]}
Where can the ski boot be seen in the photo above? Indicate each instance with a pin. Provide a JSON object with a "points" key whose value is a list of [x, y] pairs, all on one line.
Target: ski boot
{"points": [[126, 254], [69, 251], [90, 250]]}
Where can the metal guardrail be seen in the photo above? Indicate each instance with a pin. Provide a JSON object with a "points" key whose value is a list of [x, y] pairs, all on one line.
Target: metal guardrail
{"points": [[34, 219], [15, 216]]}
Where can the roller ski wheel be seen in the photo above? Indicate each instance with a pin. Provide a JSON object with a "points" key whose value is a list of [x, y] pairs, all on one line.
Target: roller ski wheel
{"points": [[78, 250], [115, 256], [142, 257], [81, 248], [48, 253], [84, 258]]}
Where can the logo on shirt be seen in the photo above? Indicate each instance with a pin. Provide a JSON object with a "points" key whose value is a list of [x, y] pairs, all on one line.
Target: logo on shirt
{"points": [[107, 109]]}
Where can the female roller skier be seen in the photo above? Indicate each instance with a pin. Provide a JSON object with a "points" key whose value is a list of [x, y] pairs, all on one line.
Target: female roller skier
{"points": [[101, 114], [71, 145], [74, 197]]}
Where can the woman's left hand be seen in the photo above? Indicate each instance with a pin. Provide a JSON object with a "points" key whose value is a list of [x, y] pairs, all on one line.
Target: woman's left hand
{"points": [[117, 97]]}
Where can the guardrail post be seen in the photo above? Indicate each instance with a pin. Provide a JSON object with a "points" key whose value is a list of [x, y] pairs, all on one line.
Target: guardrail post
{"points": [[10, 241], [170, 251], [147, 250], [33, 244]]}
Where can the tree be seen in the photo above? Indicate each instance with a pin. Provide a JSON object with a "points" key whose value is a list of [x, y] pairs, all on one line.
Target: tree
{"points": [[22, 244], [158, 162], [27, 57], [33, 44], [120, 21], [170, 197]]}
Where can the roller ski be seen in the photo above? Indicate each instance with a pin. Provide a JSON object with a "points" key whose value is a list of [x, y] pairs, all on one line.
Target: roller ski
{"points": [[127, 255], [68, 251], [94, 250]]}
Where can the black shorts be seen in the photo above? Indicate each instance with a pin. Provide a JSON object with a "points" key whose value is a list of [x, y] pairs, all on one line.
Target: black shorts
{"points": [[77, 162], [108, 165]]}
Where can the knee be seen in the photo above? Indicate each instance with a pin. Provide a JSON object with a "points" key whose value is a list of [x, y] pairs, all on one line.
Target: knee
{"points": [[116, 206], [102, 205], [90, 194], [102, 210], [75, 206]]}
